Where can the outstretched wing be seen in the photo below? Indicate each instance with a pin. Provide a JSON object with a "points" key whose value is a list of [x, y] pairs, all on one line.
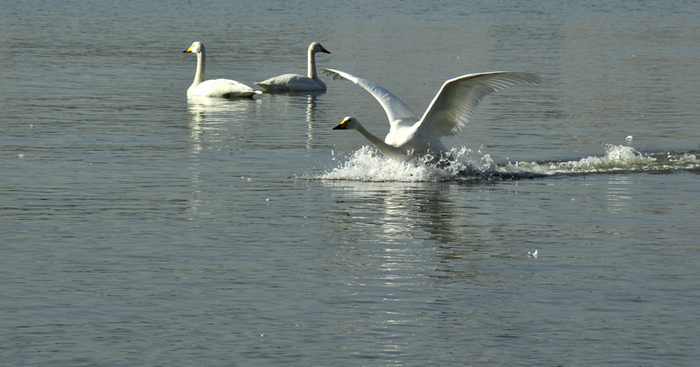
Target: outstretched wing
{"points": [[454, 104], [394, 107]]}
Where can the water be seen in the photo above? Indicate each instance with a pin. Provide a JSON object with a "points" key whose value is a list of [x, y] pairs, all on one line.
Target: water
{"points": [[139, 228]]}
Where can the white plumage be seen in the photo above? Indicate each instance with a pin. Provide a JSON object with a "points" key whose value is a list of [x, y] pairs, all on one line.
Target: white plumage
{"points": [[449, 111], [225, 88], [297, 82]]}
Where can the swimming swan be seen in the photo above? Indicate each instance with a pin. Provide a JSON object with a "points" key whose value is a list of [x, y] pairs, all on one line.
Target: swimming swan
{"points": [[449, 111], [296, 82], [225, 88]]}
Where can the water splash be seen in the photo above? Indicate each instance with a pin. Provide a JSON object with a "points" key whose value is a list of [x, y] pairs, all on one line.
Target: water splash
{"points": [[465, 164], [617, 158], [367, 164]]}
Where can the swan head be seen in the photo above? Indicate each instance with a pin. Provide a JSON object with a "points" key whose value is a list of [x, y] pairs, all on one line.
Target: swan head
{"points": [[348, 123], [197, 47], [316, 47]]}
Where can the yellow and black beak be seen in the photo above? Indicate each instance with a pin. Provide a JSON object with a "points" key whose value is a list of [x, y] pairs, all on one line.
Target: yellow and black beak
{"points": [[323, 49], [342, 126], [188, 50]]}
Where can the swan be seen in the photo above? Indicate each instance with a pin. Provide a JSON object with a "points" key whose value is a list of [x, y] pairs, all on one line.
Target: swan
{"points": [[225, 88], [448, 112], [296, 82]]}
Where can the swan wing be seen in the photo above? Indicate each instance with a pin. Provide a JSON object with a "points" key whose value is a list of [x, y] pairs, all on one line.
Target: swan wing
{"points": [[456, 101], [394, 107]]}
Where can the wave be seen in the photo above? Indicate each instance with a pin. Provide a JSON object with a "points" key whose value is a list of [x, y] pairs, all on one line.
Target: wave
{"points": [[464, 164]]}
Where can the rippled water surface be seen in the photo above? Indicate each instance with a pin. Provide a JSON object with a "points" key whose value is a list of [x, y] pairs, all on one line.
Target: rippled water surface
{"points": [[140, 228]]}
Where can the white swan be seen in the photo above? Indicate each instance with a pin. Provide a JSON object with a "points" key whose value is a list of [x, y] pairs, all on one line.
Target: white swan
{"points": [[296, 82], [449, 111], [225, 88]]}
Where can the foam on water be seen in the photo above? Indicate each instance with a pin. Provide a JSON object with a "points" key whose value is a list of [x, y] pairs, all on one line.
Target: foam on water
{"points": [[617, 158], [466, 165], [369, 165]]}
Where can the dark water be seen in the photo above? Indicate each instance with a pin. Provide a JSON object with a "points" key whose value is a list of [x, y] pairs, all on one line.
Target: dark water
{"points": [[140, 228]]}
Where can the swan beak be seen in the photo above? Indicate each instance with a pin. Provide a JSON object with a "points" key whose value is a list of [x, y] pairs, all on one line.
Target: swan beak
{"points": [[188, 50], [323, 49], [342, 126]]}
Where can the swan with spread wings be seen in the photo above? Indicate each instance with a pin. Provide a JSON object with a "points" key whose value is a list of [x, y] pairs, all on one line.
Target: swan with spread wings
{"points": [[449, 111]]}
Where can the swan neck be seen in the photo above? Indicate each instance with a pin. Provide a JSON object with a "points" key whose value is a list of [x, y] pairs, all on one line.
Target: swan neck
{"points": [[199, 75], [384, 148], [312, 65]]}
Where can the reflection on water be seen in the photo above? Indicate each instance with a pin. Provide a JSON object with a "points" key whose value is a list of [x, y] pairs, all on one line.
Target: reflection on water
{"points": [[211, 122], [213, 116], [380, 262], [217, 112], [400, 210], [291, 104], [619, 195], [310, 118]]}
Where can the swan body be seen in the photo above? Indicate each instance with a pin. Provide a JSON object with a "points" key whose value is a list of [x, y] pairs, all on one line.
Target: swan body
{"points": [[225, 88], [448, 112], [297, 82]]}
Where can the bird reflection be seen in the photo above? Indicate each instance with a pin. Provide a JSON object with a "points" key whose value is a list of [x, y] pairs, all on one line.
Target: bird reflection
{"points": [[401, 209], [212, 122], [210, 118], [402, 217], [618, 193], [290, 104], [310, 112]]}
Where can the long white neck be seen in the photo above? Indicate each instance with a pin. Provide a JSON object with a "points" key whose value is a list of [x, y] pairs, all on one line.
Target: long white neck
{"points": [[199, 76], [386, 149], [312, 65]]}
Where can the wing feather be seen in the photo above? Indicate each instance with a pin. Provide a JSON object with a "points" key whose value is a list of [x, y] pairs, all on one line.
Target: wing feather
{"points": [[395, 108], [456, 101]]}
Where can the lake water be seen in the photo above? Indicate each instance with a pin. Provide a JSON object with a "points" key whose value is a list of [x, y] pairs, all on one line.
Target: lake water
{"points": [[140, 228]]}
